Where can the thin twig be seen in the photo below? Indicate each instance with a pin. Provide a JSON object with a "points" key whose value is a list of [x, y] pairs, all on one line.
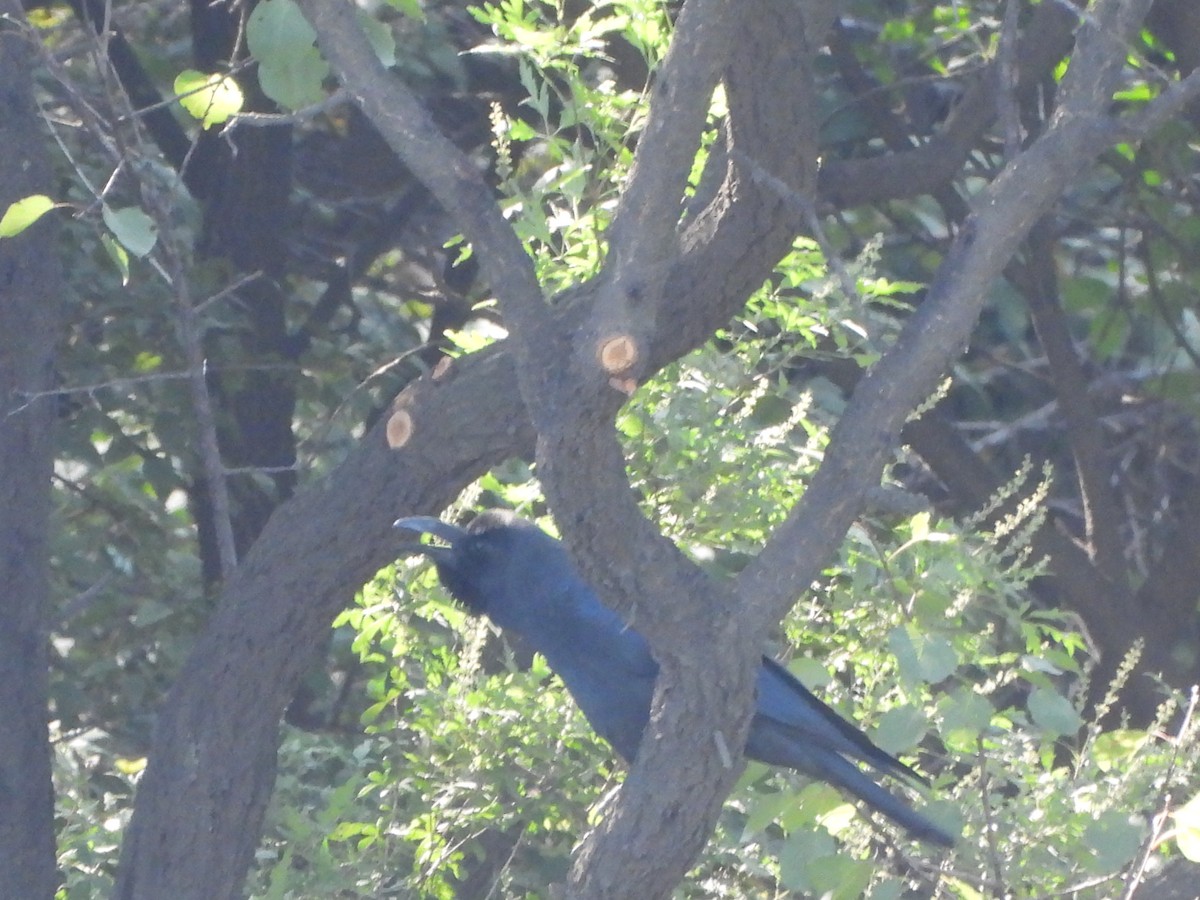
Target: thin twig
{"points": [[989, 823], [803, 206], [188, 327], [233, 288], [1006, 96], [260, 470], [170, 261], [261, 120], [1158, 822]]}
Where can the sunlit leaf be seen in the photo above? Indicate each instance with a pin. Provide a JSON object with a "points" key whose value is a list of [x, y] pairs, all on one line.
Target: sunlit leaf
{"points": [[1187, 829], [410, 8], [213, 99], [23, 213], [1113, 750], [129, 766], [117, 254]]}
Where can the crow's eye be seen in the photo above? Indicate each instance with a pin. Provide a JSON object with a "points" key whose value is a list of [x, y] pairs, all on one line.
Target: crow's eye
{"points": [[481, 553]]}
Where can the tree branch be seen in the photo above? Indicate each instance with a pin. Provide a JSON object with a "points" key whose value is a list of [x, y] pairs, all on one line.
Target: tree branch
{"points": [[932, 166], [938, 331], [1038, 280], [642, 240], [448, 173]]}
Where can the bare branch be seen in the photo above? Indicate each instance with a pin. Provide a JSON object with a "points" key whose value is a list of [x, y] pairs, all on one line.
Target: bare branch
{"points": [[643, 236], [1162, 109]]}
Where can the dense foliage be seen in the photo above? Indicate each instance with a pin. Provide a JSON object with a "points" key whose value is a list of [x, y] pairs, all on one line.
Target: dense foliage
{"points": [[423, 755]]}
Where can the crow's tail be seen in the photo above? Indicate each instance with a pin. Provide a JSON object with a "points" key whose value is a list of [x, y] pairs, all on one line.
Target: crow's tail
{"points": [[842, 773]]}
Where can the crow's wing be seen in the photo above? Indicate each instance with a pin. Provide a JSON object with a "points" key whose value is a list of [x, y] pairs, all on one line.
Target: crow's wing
{"points": [[791, 713]]}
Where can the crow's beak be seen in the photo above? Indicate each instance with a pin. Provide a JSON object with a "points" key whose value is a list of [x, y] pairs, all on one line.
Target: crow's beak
{"points": [[444, 531]]}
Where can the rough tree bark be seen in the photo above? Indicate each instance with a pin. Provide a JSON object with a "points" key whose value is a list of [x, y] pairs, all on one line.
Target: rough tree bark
{"points": [[30, 292]]}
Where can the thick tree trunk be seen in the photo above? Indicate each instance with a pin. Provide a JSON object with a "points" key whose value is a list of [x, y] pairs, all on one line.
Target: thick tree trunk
{"points": [[29, 308]]}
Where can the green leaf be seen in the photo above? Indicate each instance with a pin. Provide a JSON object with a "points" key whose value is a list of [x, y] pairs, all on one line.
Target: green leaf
{"points": [[814, 803], [965, 715], [213, 99], [765, 809], [840, 877], [967, 709], [799, 854], [146, 361], [922, 657], [838, 818], [344, 831], [410, 8], [132, 227], [1142, 93], [892, 889], [23, 213], [150, 612], [290, 68], [808, 862], [900, 728], [1114, 749], [1187, 829], [1053, 712], [939, 659], [1113, 840], [812, 672], [118, 255], [962, 889], [382, 41]]}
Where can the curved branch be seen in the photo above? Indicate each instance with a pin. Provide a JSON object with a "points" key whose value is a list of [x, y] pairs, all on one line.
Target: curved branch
{"points": [[932, 166], [938, 331]]}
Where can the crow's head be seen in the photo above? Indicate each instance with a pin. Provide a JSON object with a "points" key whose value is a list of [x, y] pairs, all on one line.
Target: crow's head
{"points": [[495, 565]]}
